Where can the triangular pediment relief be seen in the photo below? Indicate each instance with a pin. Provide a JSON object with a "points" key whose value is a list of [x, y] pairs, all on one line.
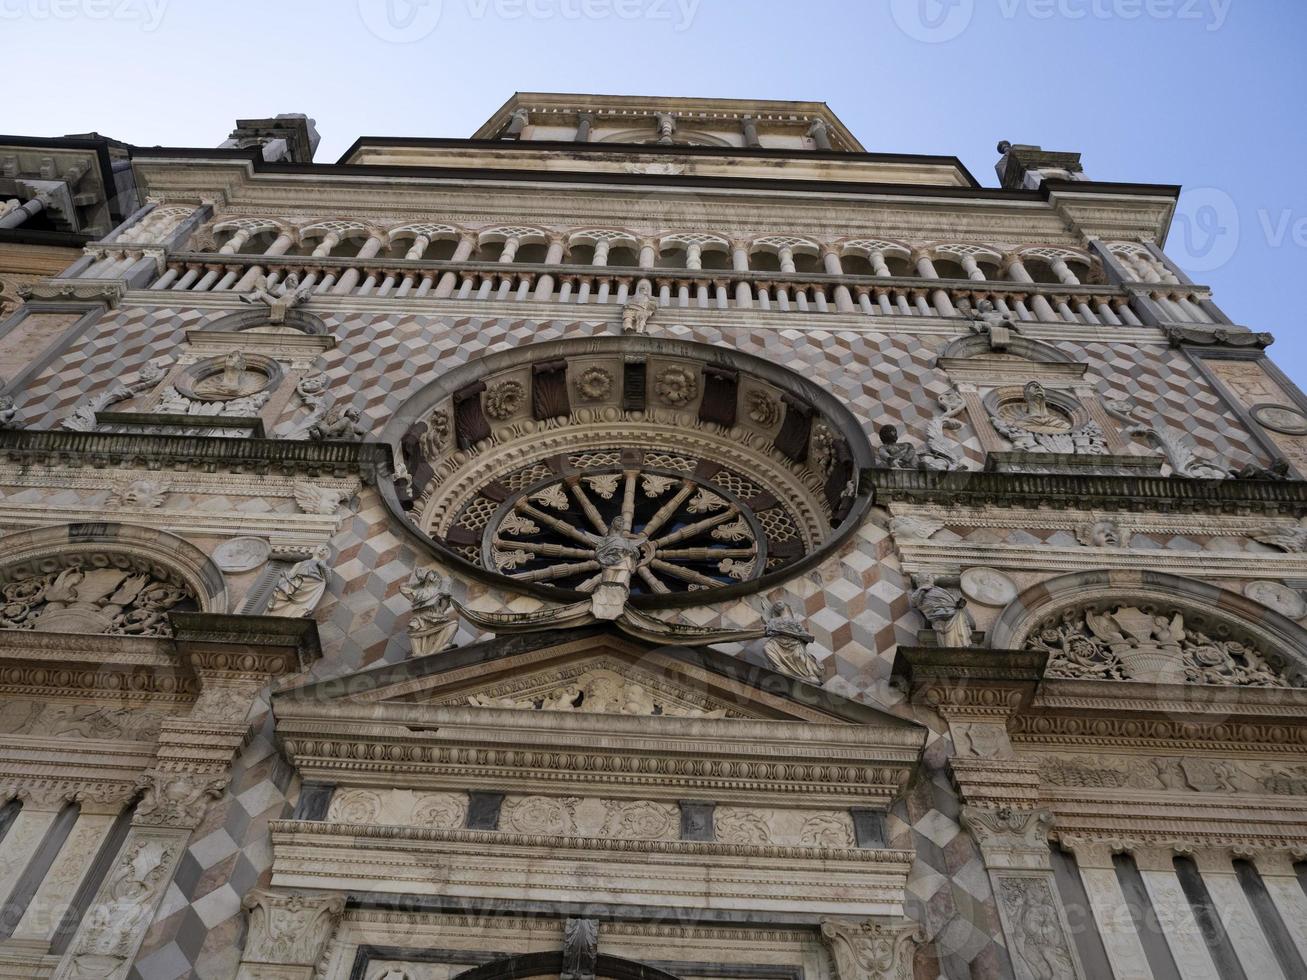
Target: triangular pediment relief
{"points": [[597, 672]]}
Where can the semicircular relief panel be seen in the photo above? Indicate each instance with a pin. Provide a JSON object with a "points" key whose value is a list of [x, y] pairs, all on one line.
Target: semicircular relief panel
{"points": [[671, 467]]}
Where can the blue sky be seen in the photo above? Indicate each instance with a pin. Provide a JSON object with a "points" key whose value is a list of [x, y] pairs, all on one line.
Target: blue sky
{"points": [[1203, 93]]}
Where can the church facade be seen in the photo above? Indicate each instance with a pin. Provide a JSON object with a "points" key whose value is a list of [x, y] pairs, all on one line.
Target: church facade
{"points": [[649, 539]]}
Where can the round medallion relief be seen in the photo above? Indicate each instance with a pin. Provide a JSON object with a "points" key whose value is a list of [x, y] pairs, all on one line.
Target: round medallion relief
{"points": [[241, 554], [1277, 597], [1281, 418], [988, 586], [236, 375]]}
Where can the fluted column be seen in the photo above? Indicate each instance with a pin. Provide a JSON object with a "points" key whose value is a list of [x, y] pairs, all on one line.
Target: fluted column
{"points": [[1175, 916], [1111, 913], [1282, 884], [1237, 915]]}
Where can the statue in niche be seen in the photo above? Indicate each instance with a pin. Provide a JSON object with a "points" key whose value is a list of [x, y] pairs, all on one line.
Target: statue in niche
{"points": [[893, 454], [944, 612], [301, 587], [435, 621], [280, 299], [786, 644], [641, 308], [618, 552]]}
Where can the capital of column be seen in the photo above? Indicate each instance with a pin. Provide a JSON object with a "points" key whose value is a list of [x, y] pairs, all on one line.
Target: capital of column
{"points": [[176, 799], [287, 931], [1010, 837]]}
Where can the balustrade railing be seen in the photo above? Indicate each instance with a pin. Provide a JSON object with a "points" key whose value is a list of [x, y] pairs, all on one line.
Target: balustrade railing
{"points": [[208, 272]]}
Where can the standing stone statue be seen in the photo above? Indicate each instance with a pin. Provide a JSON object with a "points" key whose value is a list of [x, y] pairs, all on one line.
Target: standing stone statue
{"points": [[434, 622], [944, 612], [301, 587], [786, 644], [618, 553]]}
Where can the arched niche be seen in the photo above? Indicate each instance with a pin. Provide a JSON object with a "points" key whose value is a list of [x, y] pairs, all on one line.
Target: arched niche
{"points": [[1141, 607], [297, 322]]}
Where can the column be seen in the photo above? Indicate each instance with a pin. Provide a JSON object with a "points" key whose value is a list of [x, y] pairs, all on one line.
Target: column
{"points": [[972, 268], [1018, 273], [233, 244], [18, 216], [40, 806], [749, 130], [1246, 936], [830, 258], [287, 934], [516, 123], [1014, 847], [1115, 925], [648, 254], [820, 134], [57, 890], [1175, 916], [740, 263], [449, 280], [1064, 273], [584, 124], [1281, 881], [280, 246], [351, 276], [554, 256]]}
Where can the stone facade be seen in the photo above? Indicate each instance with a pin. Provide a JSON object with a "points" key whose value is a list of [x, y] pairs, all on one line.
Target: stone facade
{"points": [[719, 552]]}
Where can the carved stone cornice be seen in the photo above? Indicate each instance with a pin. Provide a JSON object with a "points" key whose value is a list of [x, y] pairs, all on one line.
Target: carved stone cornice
{"points": [[234, 647], [976, 681], [53, 793], [258, 456], [836, 765], [108, 292], [1066, 491]]}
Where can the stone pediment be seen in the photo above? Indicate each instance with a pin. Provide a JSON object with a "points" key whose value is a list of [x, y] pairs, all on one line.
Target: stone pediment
{"points": [[598, 672]]}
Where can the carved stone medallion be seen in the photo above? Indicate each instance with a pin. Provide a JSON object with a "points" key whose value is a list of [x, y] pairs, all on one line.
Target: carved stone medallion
{"points": [[988, 586], [1284, 600], [241, 554], [1281, 418]]}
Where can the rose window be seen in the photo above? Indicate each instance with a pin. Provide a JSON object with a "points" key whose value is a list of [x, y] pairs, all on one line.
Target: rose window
{"points": [[687, 525], [649, 467]]}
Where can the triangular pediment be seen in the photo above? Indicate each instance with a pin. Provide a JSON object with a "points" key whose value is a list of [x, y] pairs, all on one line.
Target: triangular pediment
{"points": [[597, 671]]}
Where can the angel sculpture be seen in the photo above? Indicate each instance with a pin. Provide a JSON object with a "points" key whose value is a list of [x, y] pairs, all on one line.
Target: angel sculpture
{"points": [[986, 319], [340, 424], [280, 299], [786, 643], [434, 621], [301, 587]]}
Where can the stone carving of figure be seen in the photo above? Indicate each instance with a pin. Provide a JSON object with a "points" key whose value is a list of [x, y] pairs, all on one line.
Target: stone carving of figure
{"points": [[618, 552], [944, 612], [434, 621], [8, 414], [580, 949], [301, 587], [1038, 940], [338, 425], [1102, 534], [786, 644], [233, 372], [637, 313], [280, 300], [986, 319], [893, 454], [1036, 414]]}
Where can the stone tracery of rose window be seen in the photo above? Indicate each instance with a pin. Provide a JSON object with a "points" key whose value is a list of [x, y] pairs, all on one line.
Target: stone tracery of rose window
{"points": [[677, 476]]}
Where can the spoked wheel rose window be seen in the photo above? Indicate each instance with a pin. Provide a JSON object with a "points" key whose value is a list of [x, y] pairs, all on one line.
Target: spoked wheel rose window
{"points": [[647, 467], [688, 525]]}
